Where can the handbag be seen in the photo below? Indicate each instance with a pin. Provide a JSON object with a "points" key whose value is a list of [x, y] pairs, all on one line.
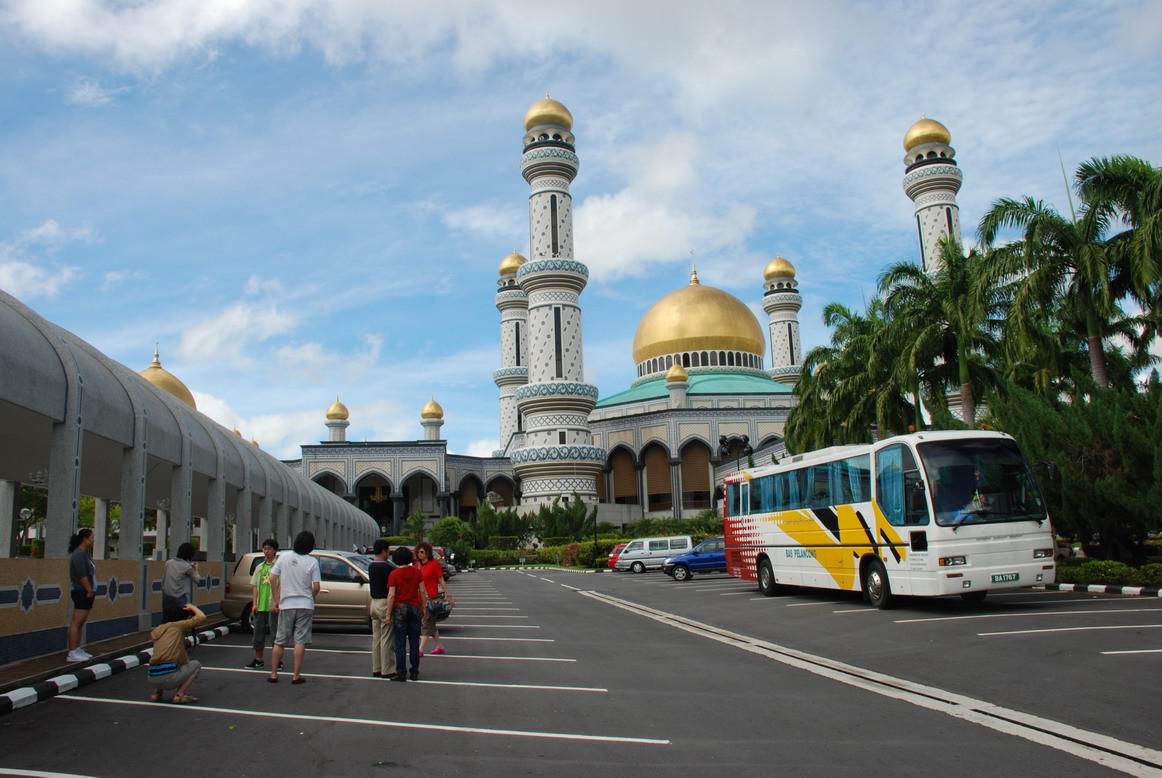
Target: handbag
{"points": [[439, 607]]}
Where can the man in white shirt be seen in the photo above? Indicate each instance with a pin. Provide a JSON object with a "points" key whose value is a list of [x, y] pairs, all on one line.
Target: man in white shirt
{"points": [[294, 584]]}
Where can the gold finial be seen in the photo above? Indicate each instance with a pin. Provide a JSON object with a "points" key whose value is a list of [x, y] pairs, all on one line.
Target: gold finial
{"points": [[156, 355], [694, 277]]}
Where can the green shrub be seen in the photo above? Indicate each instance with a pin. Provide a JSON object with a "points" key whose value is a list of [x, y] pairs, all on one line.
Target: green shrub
{"points": [[1096, 571], [503, 542], [1148, 575], [558, 541]]}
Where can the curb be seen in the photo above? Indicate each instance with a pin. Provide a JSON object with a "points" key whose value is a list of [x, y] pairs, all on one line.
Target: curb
{"points": [[1134, 591], [29, 695]]}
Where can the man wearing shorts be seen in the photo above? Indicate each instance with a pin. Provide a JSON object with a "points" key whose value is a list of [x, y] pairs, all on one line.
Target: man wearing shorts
{"points": [[294, 584]]}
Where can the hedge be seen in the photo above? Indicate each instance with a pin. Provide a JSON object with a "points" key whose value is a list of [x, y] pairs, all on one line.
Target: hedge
{"points": [[1109, 573]]}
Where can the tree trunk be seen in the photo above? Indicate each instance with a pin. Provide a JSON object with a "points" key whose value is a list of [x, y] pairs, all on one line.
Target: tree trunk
{"points": [[967, 405], [1097, 361]]}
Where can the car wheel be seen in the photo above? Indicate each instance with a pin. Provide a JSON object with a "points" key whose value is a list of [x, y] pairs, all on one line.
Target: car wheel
{"points": [[637, 567], [767, 583], [876, 587], [246, 620], [681, 573], [973, 598]]}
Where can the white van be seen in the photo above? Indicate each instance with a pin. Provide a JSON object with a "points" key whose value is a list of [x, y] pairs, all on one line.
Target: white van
{"points": [[650, 553]]}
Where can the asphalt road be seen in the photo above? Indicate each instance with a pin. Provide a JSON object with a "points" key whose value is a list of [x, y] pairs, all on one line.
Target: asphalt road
{"points": [[552, 672]]}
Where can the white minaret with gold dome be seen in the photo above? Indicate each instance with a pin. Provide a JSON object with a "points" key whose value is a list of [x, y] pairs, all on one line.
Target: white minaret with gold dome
{"points": [[337, 422], [556, 457], [931, 180], [513, 304], [782, 302], [431, 419]]}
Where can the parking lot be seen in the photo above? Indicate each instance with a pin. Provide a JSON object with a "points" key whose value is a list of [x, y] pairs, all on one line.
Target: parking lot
{"points": [[558, 672]]}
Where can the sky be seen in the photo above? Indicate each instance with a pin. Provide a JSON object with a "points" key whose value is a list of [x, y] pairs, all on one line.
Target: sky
{"points": [[303, 199]]}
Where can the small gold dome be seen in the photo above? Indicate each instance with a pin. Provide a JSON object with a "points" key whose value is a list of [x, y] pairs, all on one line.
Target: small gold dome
{"points": [[926, 131], [778, 268], [337, 411], [697, 317], [432, 410], [167, 381], [254, 443], [677, 373], [511, 264], [548, 111]]}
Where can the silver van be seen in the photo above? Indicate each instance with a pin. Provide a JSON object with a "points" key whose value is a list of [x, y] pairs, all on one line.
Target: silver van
{"points": [[651, 553]]}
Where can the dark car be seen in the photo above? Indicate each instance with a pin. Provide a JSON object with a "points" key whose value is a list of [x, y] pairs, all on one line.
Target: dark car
{"points": [[709, 556]]}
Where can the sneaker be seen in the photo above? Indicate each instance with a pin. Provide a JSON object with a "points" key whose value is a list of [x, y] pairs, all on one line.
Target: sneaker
{"points": [[438, 650], [85, 654], [77, 655], [253, 664]]}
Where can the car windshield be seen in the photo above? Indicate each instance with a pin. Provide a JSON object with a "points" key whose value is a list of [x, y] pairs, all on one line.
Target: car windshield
{"points": [[979, 482]]}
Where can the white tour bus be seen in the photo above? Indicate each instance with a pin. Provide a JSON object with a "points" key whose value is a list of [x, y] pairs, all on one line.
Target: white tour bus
{"points": [[928, 513]]}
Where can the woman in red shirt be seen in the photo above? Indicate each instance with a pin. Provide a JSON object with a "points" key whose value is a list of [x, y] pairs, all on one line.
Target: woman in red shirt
{"points": [[432, 573], [405, 598]]}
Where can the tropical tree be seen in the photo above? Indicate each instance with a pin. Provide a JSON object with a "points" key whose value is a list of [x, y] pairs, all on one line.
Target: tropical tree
{"points": [[942, 322], [413, 526], [1060, 267], [1132, 187]]}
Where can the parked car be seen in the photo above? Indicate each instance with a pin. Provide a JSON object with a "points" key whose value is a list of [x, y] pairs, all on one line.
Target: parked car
{"points": [[344, 597], [709, 556], [651, 553], [613, 555]]}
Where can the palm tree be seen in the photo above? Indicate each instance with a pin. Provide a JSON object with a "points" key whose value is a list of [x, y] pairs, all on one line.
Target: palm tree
{"points": [[1132, 187], [942, 321], [1057, 264]]}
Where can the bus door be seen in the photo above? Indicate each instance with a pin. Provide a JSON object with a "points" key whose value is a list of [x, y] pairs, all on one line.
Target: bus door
{"points": [[902, 499]]}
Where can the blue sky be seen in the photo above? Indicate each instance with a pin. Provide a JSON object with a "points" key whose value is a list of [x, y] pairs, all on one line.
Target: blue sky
{"points": [[300, 198]]}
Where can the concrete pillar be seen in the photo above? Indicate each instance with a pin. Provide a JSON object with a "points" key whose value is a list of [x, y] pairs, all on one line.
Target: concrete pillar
{"points": [[643, 491], [8, 524], [64, 483], [161, 547], [100, 527], [244, 523], [398, 512], [282, 526], [214, 525], [181, 517], [676, 486], [265, 518]]}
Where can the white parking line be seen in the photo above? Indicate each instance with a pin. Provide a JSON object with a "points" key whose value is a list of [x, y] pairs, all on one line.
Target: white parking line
{"points": [[550, 580], [507, 640], [805, 604], [733, 594], [867, 609], [493, 616], [460, 608], [445, 625], [1070, 629], [1139, 651], [370, 722], [1026, 613]]}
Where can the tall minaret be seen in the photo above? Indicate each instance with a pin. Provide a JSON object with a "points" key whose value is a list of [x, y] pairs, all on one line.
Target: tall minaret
{"points": [[782, 302], [513, 305], [931, 181], [557, 456], [431, 419]]}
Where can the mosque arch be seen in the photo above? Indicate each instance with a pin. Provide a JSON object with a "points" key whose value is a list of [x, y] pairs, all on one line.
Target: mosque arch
{"points": [[623, 476], [658, 478], [374, 493], [697, 475], [331, 481], [470, 493], [420, 492], [503, 487]]}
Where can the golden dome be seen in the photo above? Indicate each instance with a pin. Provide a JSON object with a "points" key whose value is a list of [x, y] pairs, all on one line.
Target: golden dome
{"points": [[511, 264], [167, 381], [926, 131], [677, 373], [337, 411], [778, 268], [548, 111], [432, 410], [697, 317]]}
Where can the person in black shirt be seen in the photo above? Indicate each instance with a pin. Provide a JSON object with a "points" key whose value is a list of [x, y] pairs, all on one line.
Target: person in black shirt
{"points": [[382, 636]]}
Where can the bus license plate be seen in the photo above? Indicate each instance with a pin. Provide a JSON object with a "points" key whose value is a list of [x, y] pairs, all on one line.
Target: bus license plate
{"points": [[1006, 577]]}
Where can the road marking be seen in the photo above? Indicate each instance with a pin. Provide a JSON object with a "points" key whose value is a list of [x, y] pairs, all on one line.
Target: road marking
{"points": [[805, 604], [866, 609], [733, 594], [571, 588], [493, 616], [372, 722], [1025, 613], [550, 580], [461, 608], [494, 626], [1070, 629], [342, 677], [1093, 746], [40, 773], [1139, 651], [507, 640], [767, 599]]}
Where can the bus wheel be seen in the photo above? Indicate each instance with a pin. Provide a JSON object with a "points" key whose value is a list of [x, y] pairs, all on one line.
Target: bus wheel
{"points": [[876, 586], [767, 579], [973, 598]]}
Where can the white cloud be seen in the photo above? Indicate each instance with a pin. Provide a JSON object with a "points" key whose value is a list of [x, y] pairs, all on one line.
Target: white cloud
{"points": [[115, 278], [23, 271], [227, 335], [489, 221], [26, 281], [482, 448], [89, 92], [256, 285]]}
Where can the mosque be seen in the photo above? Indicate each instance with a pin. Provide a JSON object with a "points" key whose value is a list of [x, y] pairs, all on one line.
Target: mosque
{"points": [[703, 401]]}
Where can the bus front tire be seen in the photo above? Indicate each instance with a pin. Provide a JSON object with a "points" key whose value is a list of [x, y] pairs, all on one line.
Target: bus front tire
{"points": [[876, 587], [767, 579]]}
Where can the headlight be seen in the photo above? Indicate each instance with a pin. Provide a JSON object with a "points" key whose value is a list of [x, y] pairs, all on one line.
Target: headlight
{"points": [[1042, 553], [668, 561], [951, 561]]}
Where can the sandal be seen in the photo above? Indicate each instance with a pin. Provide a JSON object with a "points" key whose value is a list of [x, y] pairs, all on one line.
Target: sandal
{"points": [[184, 699]]}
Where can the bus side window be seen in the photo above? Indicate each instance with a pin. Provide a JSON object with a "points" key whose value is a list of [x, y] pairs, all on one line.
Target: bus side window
{"points": [[899, 487]]}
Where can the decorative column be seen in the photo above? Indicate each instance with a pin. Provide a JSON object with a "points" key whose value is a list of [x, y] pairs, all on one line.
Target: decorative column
{"points": [[100, 527], [931, 180], [161, 545], [557, 456], [677, 382], [513, 304], [782, 302]]}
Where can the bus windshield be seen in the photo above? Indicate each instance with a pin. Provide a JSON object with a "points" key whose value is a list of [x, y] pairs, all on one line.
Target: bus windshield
{"points": [[979, 482]]}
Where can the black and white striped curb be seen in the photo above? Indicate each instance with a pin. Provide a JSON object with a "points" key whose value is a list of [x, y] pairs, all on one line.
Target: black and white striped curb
{"points": [[1133, 591], [29, 695]]}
